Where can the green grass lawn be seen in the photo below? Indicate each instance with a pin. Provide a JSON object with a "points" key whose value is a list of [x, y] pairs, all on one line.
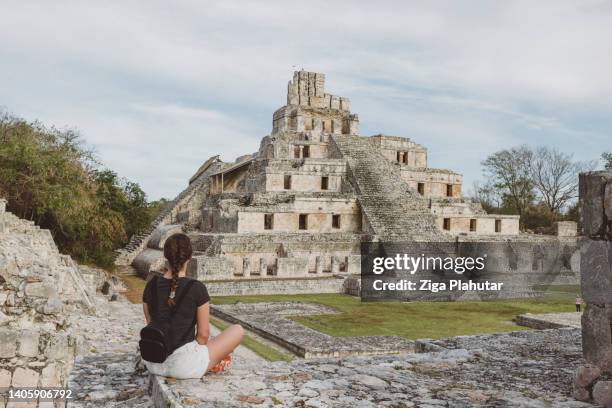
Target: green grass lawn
{"points": [[415, 320]]}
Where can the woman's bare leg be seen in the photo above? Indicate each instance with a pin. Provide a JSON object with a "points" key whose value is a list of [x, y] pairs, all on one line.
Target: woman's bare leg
{"points": [[223, 344]]}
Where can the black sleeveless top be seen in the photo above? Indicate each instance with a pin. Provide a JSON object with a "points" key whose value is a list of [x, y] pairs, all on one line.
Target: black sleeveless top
{"points": [[185, 315]]}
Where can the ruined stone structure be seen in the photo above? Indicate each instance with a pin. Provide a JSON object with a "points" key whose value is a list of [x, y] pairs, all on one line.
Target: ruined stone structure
{"points": [[290, 218], [39, 288], [594, 379], [35, 281]]}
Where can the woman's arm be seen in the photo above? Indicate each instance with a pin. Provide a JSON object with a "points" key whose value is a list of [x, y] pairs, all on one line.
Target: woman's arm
{"points": [[145, 309], [203, 324]]}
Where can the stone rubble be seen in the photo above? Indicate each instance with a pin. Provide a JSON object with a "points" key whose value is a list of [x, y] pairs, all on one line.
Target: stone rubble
{"points": [[39, 288], [105, 373], [42, 294]]}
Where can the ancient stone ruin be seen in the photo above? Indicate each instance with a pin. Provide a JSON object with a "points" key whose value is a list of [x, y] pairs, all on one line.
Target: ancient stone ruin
{"points": [[39, 289], [290, 218], [594, 379]]}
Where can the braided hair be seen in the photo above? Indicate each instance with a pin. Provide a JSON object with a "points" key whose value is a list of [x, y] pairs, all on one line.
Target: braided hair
{"points": [[177, 250]]}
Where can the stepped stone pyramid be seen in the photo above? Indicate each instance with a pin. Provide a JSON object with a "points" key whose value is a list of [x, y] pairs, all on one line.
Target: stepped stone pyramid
{"points": [[291, 217]]}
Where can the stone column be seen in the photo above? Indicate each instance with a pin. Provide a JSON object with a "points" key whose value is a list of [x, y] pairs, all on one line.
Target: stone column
{"points": [[263, 267], [246, 266], [335, 264], [319, 262], [337, 126], [591, 381]]}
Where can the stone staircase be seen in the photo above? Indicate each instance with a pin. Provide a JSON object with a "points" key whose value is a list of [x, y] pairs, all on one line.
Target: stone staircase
{"points": [[137, 242], [394, 211]]}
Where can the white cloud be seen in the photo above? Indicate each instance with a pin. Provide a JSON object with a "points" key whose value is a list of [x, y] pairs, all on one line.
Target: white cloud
{"points": [[159, 87]]}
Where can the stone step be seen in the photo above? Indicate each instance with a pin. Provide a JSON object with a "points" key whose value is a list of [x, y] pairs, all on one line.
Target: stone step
{"points": [[393, 209], [126, 270]]}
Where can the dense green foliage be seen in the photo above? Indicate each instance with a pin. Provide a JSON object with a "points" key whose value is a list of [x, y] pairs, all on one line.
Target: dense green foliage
{"points": [[50, 177]]}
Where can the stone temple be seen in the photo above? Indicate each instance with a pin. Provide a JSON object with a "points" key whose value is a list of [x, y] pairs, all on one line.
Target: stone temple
{"points": [[290, 218]]}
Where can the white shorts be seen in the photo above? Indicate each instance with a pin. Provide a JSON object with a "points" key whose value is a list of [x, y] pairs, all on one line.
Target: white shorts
{"points": [[188, 361]]}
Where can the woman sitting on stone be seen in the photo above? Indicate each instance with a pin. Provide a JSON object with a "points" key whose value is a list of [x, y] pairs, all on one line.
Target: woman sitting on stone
{"points": [[194, 352]]}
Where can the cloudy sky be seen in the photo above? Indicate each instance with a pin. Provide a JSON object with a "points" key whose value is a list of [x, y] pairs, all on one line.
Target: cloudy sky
{"points": [[157, 87]]}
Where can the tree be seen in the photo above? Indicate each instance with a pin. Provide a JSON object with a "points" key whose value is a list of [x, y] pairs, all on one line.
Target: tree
{"points": [[509, 171], [555, 178], [607, 158], [49, 176]]}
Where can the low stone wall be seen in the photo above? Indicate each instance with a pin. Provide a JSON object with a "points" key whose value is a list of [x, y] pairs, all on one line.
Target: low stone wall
{"points": [[549, 320], [593, 379], [270, 320], [330, 284]]}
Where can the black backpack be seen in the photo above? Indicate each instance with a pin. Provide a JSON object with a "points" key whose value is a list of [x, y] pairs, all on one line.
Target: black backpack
{"points": [[156, 337]]}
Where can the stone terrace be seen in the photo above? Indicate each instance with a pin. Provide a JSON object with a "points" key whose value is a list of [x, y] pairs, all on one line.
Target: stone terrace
{"points": [[270, 321], [519, 369]]}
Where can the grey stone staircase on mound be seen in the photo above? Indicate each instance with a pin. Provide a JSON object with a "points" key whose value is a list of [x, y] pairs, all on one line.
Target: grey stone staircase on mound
{"points": [[394, 210], [126, 255]]}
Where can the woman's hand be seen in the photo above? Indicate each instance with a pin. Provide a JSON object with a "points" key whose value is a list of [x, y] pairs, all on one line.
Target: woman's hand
{"points": [[203, 323], [145, 309]]}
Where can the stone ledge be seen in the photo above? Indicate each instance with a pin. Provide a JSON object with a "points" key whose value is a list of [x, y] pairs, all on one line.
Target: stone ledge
{"points": [[161, 394], [549, 320], [270, 322]]}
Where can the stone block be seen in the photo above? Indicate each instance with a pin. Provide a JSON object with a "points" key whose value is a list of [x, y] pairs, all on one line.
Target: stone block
{"points": [[602, 393], [596, 270], [8, 269], [28, 343], [24, 377], [8, 343], [581, 393], [592, 188], [51, 376], [52, 306], [586, 375], [4, 319], [566, 228], [58, 347], [5, 378], [40, 289], [596, 337], [292, 267]]}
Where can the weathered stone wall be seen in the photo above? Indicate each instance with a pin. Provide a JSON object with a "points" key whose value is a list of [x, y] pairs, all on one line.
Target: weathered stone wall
{"points": [[276, 286], [435, 181], [38, 288], [319, 213], [306, 176], [594, 379], [565, 228], [394, 147], [485, 224]]}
